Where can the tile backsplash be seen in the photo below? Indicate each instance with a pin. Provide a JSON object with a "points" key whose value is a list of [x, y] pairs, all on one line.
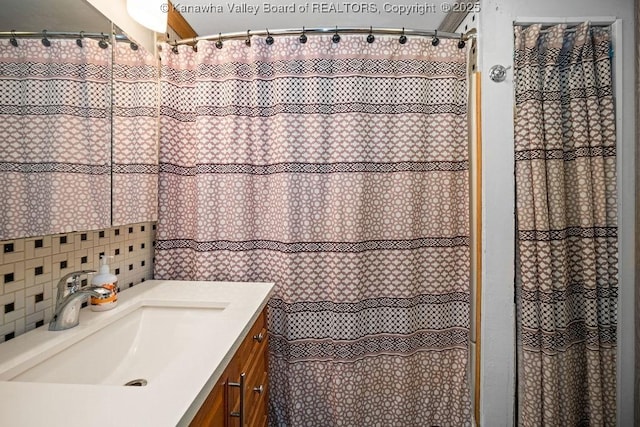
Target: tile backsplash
{"points": [[30, 269]]}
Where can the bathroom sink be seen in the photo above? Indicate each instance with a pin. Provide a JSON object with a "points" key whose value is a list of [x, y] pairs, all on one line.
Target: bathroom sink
{"points": [[137, 348]]}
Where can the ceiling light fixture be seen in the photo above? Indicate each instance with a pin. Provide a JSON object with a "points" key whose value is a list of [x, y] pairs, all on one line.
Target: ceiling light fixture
{"points": [[150, 13]]}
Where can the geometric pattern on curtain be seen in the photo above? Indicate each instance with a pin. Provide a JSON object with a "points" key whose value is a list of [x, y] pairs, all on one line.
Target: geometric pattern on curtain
{"points": [[135, 135], [339, 171], [565, 156], [55, 129]]}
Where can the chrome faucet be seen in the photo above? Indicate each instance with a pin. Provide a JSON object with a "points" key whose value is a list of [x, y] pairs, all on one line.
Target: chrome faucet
{"points": [[67, 311]]}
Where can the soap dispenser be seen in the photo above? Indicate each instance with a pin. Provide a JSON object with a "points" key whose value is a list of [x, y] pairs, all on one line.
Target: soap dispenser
{"points": [[109, 284]]}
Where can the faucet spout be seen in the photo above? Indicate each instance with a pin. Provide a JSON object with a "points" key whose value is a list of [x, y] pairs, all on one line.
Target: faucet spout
{"points": [[68, 306]]}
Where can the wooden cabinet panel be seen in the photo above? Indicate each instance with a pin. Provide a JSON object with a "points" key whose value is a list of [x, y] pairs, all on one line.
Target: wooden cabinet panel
{"points": [[249, 368]]}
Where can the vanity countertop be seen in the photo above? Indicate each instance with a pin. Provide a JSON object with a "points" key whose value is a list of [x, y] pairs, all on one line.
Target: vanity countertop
{"points": [[173, 400]]}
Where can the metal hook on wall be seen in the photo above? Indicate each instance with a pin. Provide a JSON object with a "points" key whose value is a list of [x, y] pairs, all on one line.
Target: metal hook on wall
{"points": [[498, 73]]}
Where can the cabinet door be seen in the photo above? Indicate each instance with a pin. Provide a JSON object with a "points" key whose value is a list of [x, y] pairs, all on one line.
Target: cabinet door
{"points": [[212, 413], [246, 377]]}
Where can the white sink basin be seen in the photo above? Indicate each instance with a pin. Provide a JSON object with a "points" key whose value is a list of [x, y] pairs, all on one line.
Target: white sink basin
{"points": [[177, 335], [140, 345]]}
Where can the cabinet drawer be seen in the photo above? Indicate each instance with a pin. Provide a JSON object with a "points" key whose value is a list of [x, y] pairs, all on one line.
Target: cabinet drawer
{"points": [[256, 389]]}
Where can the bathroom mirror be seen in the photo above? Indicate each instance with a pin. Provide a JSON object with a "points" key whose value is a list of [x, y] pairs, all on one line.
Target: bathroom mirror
{"points": [[59, 15], [59, 168]]}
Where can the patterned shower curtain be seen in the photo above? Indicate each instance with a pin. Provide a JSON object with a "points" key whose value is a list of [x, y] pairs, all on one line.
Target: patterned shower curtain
{"points": [[55, 126], [567, 233], [135, 135], [339, 171]]}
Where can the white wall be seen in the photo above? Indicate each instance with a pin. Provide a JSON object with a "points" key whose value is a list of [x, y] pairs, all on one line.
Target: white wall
{"points": [[255, 15], [496, 47]]}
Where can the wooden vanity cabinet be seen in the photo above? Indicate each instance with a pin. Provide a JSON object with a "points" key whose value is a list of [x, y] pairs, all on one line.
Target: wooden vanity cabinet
{"points": [[240, 396]]}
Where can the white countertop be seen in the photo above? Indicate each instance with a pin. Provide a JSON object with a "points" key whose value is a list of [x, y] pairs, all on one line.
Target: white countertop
{"points": [[172, 401]]}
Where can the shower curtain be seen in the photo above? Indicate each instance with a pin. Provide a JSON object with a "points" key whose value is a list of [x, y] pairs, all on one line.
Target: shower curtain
{"points": [[55, 105], [567, 233], [339, 171], [135, 135]]}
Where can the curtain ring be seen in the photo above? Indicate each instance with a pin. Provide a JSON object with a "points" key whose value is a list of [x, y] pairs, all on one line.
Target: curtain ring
{"points": [[174, 49], [45, 41], [403, 38], [303, 37], [79, 39], [219, 42], [371, 38], [435, 41], [461, 42], [133, 46], [269, 38], [336, 36], [103, 42], [13, 40], [247, 41]]}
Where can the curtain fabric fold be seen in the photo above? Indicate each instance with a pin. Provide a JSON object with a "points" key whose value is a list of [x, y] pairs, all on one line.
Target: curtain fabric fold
{"points": [[339, 171], [135, 135], [565, 150], [55, 123]]}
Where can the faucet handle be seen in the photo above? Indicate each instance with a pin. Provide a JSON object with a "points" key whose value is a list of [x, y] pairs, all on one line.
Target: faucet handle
{"points": [[75, 285], [75, 275]]}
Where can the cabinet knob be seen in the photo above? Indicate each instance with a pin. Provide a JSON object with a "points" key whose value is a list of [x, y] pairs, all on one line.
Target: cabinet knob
{"points": [[259, 389], [259, 337]]}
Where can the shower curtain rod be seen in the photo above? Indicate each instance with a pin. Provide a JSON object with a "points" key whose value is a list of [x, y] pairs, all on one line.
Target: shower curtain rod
{"points": [[60, 34], [325, 30]]}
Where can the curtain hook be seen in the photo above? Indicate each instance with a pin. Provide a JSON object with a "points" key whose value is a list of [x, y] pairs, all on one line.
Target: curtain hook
{"points": [[336, 36], [79, 39], [269, 38], [103, 42], [371, 38], [303, 36], [13, 40], [461, 42], [219, 42], [45, 40], [195, 46], [247, 41], [403, 38], [435, 40]]}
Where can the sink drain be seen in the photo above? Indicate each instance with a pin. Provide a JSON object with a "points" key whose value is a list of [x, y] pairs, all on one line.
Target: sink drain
{"points": [[140, 382]]}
